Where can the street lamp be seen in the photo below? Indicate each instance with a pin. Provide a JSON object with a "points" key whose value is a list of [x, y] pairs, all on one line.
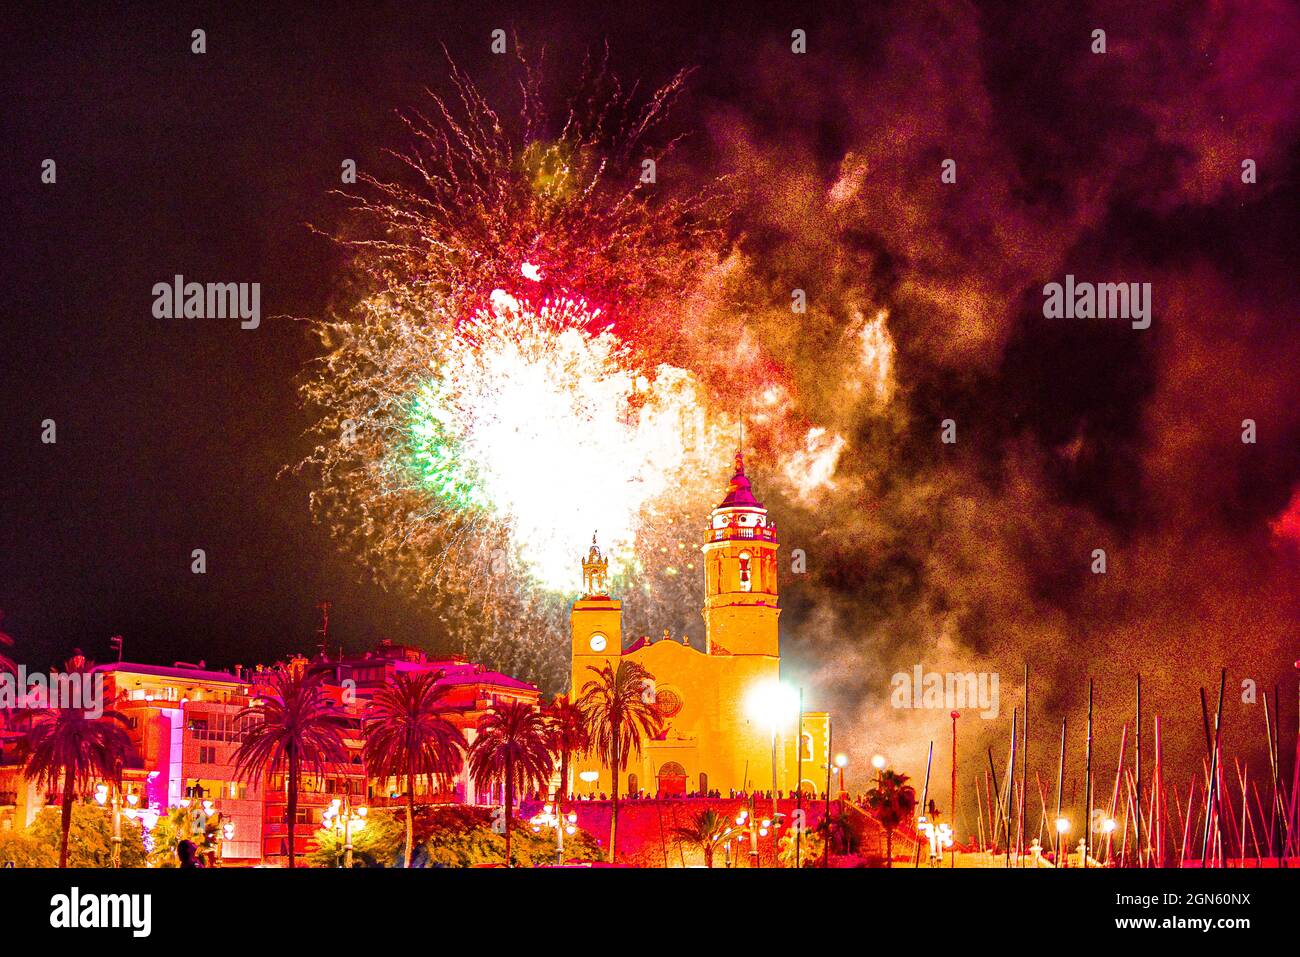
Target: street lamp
{"points": [[749, 823], [776, 704], [939, 836], [878, 761], [102, 797], [1062, 829], [342, 816], [549, 816], [590, 778]]}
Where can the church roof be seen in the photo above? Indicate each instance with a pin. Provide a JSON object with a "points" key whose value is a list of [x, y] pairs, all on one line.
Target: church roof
{"points": [[739, 494]]}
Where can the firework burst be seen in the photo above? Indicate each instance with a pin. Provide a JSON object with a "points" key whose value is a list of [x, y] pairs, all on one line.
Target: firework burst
{"points": [[538, 420], [478, 417]]}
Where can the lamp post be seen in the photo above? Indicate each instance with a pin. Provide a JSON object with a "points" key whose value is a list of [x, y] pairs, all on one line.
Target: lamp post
{"points": [[952, 797], [798, 788], [341, 816], [756, 828], [102, 797], [777, 704], [826, 847], [550, 816]]}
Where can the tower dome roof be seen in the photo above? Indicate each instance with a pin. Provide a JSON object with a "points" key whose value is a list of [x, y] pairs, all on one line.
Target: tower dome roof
{"points": [[739, 494]]}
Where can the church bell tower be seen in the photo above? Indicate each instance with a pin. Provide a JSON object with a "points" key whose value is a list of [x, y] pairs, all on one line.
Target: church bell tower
{"points": [[740, 597], [595, 622]]}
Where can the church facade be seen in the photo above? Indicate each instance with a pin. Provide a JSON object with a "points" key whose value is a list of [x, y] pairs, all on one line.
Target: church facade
{"points": [[728, 723]]}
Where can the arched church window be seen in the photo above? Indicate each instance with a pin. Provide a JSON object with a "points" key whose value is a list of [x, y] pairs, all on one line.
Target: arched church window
{"points": [[746, 582]]}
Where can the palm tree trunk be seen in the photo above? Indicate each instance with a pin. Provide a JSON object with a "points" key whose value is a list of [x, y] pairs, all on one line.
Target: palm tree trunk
{"points": [[410, 815], [889, 847], [65, 820], [291, 811], [510, 803], [708, 855], [613, 818], [564, 778]]}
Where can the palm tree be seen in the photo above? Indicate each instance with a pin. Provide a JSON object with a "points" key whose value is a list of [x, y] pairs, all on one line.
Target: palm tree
{"points": [[705, 830], [69, 742], [406, 734], [6, 663], [512, 749], [838, 830], [620, 715], [295, 726], [569, 738], [893, 801]]}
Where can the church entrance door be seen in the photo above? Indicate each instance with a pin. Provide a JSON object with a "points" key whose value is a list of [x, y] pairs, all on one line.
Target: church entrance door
{"points": [[672, 780]]}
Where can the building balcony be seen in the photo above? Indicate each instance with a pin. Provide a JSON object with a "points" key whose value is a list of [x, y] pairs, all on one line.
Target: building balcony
{"points": [[762, 533]]}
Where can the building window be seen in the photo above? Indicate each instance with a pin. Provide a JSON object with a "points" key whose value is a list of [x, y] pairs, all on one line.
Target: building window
{"points": [[632, 784], [807, 740], [704, 783], [746, 582]]}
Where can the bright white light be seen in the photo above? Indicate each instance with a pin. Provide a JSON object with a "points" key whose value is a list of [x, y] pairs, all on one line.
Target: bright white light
{"points": [[529, 271], [1062, 826], [538, 417], [841, 760], [878, 762], [774, 704]]}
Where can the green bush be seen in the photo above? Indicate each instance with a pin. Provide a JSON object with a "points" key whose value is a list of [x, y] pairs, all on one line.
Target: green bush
{"points": [[463, 837], [378, 844], [25, 851], [90, 839], [446, 836]]}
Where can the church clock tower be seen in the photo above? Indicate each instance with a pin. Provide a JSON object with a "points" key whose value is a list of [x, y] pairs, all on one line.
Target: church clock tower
{"points": [[595, 622], [740, 598]]}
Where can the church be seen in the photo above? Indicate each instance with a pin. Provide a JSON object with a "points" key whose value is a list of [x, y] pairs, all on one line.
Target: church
{"points": [[728, 723]]}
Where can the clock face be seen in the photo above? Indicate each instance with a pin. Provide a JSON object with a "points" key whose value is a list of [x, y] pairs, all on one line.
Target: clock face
{"points": [[597, 643]]}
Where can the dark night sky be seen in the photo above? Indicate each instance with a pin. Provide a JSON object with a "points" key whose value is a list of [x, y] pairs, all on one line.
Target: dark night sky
{"points": [[171, 433]]}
